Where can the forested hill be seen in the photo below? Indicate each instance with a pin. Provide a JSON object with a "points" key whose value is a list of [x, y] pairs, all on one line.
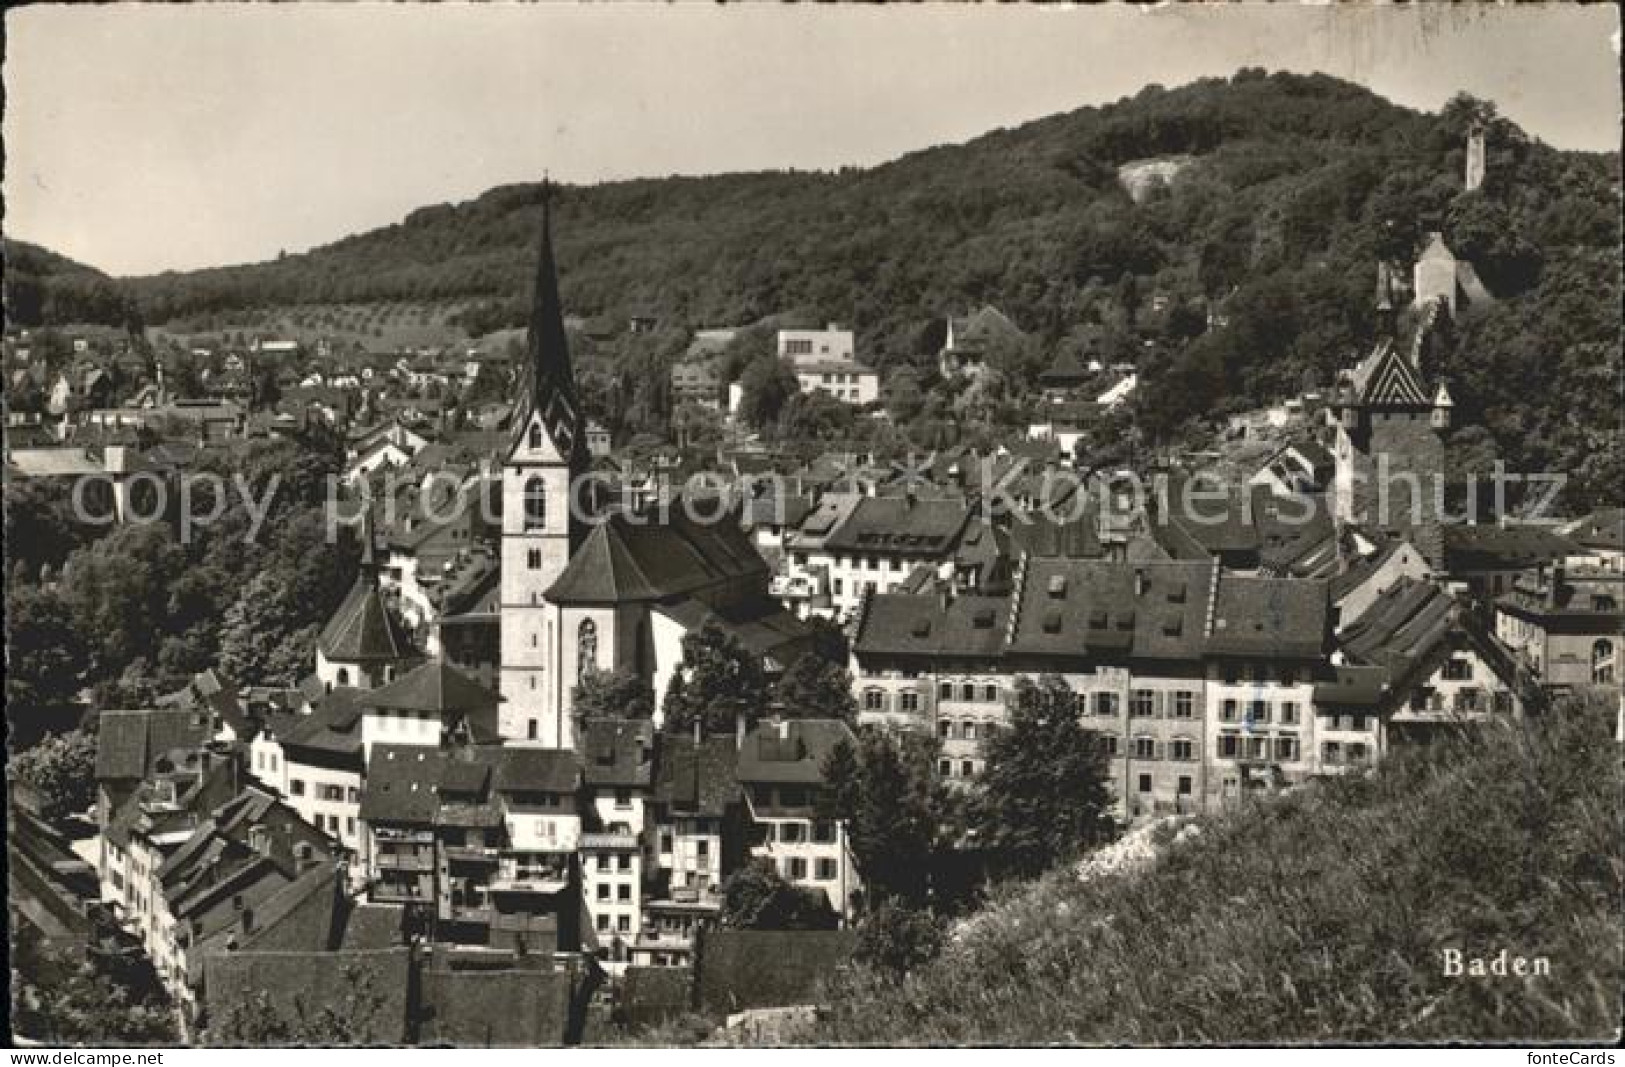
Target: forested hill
{"points": [[1288, 191], [44, 287]]}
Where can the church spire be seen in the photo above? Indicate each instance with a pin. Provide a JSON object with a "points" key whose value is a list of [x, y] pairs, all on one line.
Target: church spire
{"points": [[549, 386]]}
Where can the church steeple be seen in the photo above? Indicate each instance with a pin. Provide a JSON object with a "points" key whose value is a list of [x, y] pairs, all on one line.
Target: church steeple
{"points": [[548, 385]]}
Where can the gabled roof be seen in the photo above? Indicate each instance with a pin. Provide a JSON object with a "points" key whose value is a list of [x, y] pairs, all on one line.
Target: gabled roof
{"points": [[901, 525], [1513, 547], [536, 770], [435, 687], [1601, 529], [907, 624], [618, 752], [128, 742], [1386, 378], [627, 561], [791, 750], [403, 783], [1270, 617], [699, 779]]}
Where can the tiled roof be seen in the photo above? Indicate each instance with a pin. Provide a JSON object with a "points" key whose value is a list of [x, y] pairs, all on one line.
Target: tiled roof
{"points": [[1270, 617], [618, 752], [433, 687], [1601, 529], [127, 742], [790, 750], [698, 779], [625, 560], [1514, 547], [908, 624], [402, 784], [536, 770], [901, 525]]}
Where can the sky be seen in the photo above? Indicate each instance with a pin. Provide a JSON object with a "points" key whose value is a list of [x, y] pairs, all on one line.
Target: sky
{"points": [[143, 138]]}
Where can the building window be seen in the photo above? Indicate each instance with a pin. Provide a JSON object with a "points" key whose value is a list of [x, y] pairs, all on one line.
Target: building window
{"points": [[1331, 752], [534, 439], [792, 833], [1141, 704], [1145, 748], [968, 730], [343, 676], [1229, 746], [967, 768], [1185, 785], [909, 701], [945, 768], [874, 700], [603, 863], [796, 869], [1105, 703], [1184, 748], [1286, 748], [1289, 713], [665, 842], [623, 923], [1258, 711], [824, 870], [823, 832], [530, 725], [1184, 705], [296, 786], [603, 924], [586, 648], [945, 690], [1458, 669], [533, 559], [623, 863], [535, 503], [623, 893], [990, 693], [1602, 662], [1227, 711], [1145, 783]]}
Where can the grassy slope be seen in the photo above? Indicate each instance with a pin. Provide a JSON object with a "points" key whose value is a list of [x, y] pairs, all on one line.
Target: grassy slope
{"points": [[1316, 917]]}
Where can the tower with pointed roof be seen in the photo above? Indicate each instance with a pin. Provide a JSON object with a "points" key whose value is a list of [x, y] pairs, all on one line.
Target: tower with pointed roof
{"points": [[539, 529], [362, 646]]}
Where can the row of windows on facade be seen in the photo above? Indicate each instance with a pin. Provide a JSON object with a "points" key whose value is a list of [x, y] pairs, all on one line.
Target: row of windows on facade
{"points": [[795, 869], [323, 791], [797, 833]]}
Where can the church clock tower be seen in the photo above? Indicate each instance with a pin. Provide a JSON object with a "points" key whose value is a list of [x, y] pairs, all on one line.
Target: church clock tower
{"points": [[539, 532]]}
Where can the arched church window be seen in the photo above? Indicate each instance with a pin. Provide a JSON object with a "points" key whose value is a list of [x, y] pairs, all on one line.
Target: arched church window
{"points": [[535, 504], [586, 648], [535, 439], [1602, 662]]}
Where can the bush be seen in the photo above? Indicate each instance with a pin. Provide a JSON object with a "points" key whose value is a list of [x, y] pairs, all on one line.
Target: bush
{"points": [[1319, 916]]}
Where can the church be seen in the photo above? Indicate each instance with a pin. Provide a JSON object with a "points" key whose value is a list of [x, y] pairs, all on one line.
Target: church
{"points": [[609, 589]]}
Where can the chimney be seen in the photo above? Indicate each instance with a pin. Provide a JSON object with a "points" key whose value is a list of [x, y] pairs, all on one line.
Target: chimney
{"points": [[739, 729], [1140, 581]]}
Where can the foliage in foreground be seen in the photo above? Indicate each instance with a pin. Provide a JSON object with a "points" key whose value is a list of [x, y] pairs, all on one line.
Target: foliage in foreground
{"points": [[1318, 916]]}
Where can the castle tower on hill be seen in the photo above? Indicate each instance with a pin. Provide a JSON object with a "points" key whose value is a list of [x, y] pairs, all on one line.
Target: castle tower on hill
{"points": [[1475, 158]]}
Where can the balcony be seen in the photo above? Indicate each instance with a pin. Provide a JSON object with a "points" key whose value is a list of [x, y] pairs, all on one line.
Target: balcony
{"points": [[523, 922], [404, 861], [610, 842], [470, 854], [544, 882]]}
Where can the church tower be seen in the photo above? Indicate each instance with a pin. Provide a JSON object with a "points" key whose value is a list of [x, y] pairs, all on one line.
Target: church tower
{"points": [[539, 531]]}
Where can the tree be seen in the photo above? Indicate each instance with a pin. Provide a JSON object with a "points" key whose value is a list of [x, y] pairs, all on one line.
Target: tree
{"points": [[716, 680], [613, 695], [894, 810], [93, 998], [895, 939], [1043, 797], [766, 384], [756, 897], [815, 688], [46, 655], [61, 772], [357, 1018]]}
